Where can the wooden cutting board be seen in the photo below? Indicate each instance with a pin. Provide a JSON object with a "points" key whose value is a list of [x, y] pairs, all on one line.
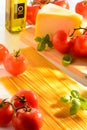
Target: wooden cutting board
{"points": [[77, 70], [49, 83]]}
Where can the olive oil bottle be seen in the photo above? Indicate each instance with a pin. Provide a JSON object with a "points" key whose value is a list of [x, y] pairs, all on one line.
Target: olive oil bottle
{"points": [[15, 17]]}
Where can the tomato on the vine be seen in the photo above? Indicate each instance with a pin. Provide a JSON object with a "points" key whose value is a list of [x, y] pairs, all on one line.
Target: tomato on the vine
{"points": [[27, 119], [62, 3], [61, 41], [6, 112], [15, 63], [39, 2], [3, 52], [81, 8], [32, 11], [80, 45], [24, 97]]}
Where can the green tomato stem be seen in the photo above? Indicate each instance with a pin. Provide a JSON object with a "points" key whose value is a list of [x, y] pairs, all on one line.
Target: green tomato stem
{"points": [[75, 29]]}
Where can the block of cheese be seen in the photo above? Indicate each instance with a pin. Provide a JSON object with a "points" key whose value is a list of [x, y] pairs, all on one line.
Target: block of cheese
{"points": [[51, 18]]}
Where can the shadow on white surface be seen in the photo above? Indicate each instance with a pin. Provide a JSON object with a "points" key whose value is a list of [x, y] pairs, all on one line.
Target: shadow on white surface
{"points": [[3, 72], [9, 127]]}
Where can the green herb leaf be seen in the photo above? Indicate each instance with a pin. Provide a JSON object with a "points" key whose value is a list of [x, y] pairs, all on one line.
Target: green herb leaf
{"points": [[76, 101], [65, 98], [40, 46], [46, 38], [74, 109], [38, 39], [75, 93], [66, 60], [42, 42], [83, 103], [75, 106]]}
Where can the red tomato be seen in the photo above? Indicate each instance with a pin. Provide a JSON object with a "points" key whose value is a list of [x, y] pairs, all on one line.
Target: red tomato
{"points": [[6, 113], [80, 45], [24, 97], [15, 63], [61, 41], [40, 2], [85, 32], [3, 52], [81, 8], [32, 13], [62, 3], [30, 119]]}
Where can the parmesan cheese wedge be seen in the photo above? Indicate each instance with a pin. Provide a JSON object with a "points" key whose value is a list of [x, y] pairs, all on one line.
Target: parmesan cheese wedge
{"points": [[51, 18]]}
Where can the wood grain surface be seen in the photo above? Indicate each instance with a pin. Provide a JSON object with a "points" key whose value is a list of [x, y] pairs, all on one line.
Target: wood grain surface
{"points": [[78, 68]]}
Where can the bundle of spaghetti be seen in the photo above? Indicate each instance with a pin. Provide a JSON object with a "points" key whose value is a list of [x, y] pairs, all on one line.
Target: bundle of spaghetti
{"points": [[49, 83]]}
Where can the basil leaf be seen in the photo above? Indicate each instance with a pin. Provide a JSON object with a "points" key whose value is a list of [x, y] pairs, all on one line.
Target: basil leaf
{"points": [[83, 103], [75, 93], [66, 60], [40, 46], [65, 98], [43, 41]]}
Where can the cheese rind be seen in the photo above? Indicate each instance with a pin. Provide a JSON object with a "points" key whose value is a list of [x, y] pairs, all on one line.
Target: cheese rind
{"points": [[52, 18]]}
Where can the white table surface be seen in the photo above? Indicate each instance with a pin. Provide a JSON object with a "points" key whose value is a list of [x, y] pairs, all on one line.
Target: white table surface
{"points": [[11, 41]]}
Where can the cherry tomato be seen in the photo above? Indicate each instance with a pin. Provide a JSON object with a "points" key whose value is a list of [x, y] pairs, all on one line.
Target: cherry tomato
{"points": [[62, 3], [85, 31], [28, 119], [3, 52], [40, 2], [6, 113], [24, 97], [80, 45], [15, 63], [32, 11], [81, 8], [61, 41]]}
